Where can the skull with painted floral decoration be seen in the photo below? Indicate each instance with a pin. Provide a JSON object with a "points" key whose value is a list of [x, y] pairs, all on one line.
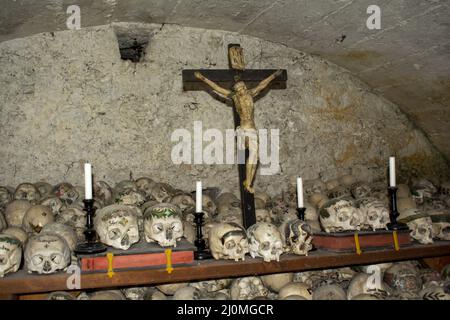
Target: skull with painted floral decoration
{"points": [[163, 224]]}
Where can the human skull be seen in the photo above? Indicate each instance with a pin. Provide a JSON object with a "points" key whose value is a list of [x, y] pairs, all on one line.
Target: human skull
{"points": [[107, 295], [297, 235], [162, 224], [436, 290], [228, 241], [208, 205], [67, 192], [75, 218], [364, 296], [318, 200], [263, 215], [264, 197], [10, 254], [339, 192], [311, 212], [424, 187], [5, 197], [347, 180], [36, 218], [15, 211], [375, 214], [127, 193], [17, 232], [27, 191], [340, 215], [60, 295], [248, 288], [445, 188], [404, 204], [403, 191], [54, 203], [364, 283], [117, 225], [295, 289], [404, 278], [46, 253], [360, 190], [103, 192], [44, 188], [145, 185], [187, 293], [135, 293], [231, 217], [64, 231], [314, 186], [3, 224], [331, 184], [170, 288], [154, 294], [184, 201], [419, 223], [211, 285], [227, 202], [265, 241], [441, 226], [161, 192], [218, 295], [277, 281], [329, 292]]}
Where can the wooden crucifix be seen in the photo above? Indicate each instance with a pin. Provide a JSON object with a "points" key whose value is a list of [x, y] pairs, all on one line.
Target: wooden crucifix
{"points": [[240, 86]]}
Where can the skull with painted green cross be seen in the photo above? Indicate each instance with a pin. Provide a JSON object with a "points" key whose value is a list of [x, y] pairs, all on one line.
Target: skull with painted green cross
{"points": [[163, 224]]}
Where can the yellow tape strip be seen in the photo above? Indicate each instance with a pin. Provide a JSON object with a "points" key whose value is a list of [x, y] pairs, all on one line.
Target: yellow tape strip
{"points": [[358, 248], [169, 260], [110, 257], [396, 245]]}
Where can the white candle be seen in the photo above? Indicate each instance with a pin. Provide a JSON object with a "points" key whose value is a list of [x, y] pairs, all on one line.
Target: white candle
{"points": [[198, 197], [299, 192], [87, 181], [392, 171]]}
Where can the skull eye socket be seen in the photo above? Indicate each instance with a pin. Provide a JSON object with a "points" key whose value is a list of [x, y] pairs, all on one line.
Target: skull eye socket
{"points": [[344, 216], [37, 259], [114, 234], [56, 258], [157, 228], [176, 226], [422, 230], [265, 245], [71, 194], [230, 244]]}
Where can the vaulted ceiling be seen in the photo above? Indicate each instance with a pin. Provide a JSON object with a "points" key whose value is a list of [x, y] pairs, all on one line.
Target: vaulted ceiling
{"points": [[407, 60]]}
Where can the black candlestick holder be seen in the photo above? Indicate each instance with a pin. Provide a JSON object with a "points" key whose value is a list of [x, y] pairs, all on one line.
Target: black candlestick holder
{"points": [[301, 213], [92, 245], [393, 214], [201, 253]]}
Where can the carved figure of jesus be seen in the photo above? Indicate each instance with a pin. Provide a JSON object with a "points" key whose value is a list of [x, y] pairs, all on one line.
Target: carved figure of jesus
{"points": [[244, 104]]}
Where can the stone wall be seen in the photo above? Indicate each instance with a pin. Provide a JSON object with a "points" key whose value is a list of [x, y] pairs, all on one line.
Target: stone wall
{"points": [[67, 97]]}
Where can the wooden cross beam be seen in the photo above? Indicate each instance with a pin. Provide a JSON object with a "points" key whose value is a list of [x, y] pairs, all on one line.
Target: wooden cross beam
{"points": [[226, 78]]}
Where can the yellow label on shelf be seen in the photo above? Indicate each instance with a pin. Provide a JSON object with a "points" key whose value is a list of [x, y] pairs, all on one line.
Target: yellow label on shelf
{"points": [[396, 245], [169, 260], [110, 257], [357, 246]]}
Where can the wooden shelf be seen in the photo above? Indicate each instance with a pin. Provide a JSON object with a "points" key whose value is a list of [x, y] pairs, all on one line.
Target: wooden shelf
{"points": [[23, 283]]}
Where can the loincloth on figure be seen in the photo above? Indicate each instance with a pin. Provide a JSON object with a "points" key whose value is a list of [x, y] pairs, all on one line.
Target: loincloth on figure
{"points": [[248, 139]]}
